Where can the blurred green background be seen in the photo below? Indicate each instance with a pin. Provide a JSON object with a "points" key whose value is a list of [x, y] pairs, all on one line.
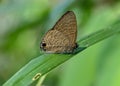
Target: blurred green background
{"points": [[24, 22]]}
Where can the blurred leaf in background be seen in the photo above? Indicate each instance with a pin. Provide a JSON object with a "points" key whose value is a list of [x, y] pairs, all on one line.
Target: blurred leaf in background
{"points": [[20, 25], [24, 22]]}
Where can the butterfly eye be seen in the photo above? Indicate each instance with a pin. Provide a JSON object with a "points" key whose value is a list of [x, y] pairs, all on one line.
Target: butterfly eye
{"points": [[43, 44]]}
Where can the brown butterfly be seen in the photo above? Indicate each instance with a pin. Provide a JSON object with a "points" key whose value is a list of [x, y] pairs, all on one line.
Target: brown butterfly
{"points": [[62, 37]]}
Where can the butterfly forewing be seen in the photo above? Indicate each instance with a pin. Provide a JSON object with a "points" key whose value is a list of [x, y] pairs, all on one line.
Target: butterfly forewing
{"points": [[67, 25]]}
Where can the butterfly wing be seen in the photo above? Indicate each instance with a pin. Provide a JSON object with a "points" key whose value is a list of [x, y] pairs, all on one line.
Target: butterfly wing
{"points": [[62, 37], [55, 42], [68, 26]]}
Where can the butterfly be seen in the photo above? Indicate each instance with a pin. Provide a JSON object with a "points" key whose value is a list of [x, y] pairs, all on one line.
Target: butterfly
{"points": [[62, 37]]}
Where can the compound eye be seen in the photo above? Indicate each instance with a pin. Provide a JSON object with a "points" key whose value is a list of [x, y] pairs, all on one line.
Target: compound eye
{"points": [[43, 44]]}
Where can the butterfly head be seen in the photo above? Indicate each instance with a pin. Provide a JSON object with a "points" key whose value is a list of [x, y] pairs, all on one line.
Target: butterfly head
{"points": [[46, 47], [43, 46]]}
